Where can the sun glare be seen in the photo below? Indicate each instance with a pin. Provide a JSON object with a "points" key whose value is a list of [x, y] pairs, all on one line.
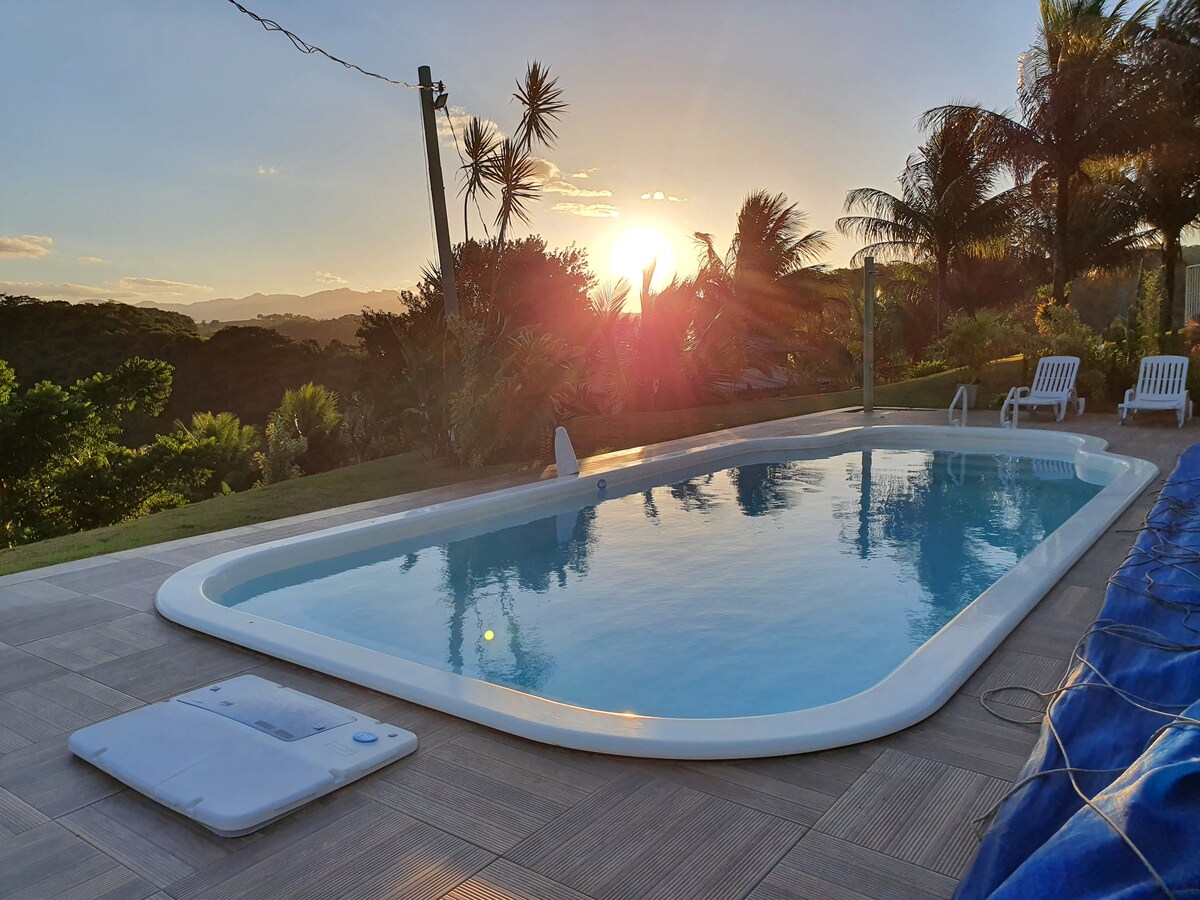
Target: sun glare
{"points": [[638, 248]]}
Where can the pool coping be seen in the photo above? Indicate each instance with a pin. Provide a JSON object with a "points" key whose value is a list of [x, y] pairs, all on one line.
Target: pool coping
{"points": [[913, 691]]}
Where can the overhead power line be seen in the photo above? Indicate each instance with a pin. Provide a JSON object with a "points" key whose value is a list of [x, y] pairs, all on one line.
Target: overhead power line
{"points": [[305, 47]]}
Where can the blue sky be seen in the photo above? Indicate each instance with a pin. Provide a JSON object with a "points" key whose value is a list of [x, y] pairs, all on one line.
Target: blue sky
{"points": [[176, 151]]}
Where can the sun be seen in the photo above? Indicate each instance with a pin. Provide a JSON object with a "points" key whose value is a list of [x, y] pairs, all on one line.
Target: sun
{"points": [[635, 250]]}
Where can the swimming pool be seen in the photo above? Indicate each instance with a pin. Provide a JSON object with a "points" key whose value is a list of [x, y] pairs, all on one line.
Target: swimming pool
{"points": [[748, 598]]}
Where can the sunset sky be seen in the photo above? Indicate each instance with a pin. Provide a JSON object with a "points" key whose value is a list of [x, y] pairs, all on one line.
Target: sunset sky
{"points": [[176, 151]]}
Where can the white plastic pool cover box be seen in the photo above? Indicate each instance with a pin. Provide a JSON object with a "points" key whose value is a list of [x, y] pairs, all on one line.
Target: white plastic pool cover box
{"points": [[241, 753]]}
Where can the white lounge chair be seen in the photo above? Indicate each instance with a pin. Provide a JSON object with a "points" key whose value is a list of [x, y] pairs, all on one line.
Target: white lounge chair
{"points": [[1161, 384], [1053, 386]]}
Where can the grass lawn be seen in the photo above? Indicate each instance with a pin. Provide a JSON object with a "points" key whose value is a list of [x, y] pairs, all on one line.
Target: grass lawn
{"points": [[413, 472]]}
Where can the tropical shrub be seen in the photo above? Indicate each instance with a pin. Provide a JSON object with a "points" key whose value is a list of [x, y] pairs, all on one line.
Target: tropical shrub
{"points": [[926, 367], [64, 467], [277, 460], [231, 447], [1061, 332], [309, 413], [971, 341]]}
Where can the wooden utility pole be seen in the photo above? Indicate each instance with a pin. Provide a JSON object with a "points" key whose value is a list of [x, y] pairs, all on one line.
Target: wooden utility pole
{"points": [[869, 335], [437, 189]]}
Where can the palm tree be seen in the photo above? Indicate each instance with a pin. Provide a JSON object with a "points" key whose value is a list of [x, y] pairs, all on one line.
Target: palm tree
{"points": [[541, 99], [1103, 226], [514, 174], [490, 160], [1081, 99], [766, 276], [609, 350], [948, 206], [1165, 181], [1165, 190], [480, 142]]}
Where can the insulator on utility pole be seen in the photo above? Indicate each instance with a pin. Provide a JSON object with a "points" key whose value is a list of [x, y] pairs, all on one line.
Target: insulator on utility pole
{"points": [[437, 189]]}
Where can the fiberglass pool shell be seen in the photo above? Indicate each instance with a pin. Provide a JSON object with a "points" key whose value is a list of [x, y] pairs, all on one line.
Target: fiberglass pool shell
{"points": [[206, 596]]}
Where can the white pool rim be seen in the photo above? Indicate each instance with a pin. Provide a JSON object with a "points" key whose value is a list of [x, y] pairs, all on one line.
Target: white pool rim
{"points": [[911, 692]]}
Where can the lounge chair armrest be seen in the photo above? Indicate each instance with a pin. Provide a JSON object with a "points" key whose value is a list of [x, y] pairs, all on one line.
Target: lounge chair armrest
{"points": [[1129, 395], [1021, 392]]}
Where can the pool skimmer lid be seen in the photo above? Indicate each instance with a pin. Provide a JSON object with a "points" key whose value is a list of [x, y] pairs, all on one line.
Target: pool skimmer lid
{"points": [[241, 753]]}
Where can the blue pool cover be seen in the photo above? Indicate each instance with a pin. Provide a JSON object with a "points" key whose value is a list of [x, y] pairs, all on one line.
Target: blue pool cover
{"points": [[1045, 841]]}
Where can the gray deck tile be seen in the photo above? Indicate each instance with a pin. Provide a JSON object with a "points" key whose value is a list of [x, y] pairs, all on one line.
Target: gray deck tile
{"points": [[74, 565], [370, 852], [659, 839], [30, 619], [250, 850], [915, 809], [1045, 637], [1070, 603], [1013, 669], [137, 595], [112, 574], [50, 862], [491, 803], [821, 867], [191, 552], [965, 734], [48, 777], [828, 772], [94, 644], [505, 880], [48, 708], [174, 667], [758, 791], [148, 839], [17, 816], [19, 669]]}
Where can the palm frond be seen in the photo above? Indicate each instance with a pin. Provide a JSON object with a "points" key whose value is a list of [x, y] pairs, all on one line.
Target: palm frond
{"points": [[542, 105], [515, 175]]}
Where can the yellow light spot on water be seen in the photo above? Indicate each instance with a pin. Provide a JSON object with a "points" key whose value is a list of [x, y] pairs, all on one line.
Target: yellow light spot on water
{"points": [[489, 634]]}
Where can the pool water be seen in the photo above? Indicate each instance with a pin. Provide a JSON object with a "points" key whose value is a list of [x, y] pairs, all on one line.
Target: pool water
{"points": [[764, 588]]}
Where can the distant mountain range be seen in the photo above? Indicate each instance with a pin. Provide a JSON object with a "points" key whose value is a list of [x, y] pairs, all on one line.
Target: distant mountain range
{"points": [[321, 305]]}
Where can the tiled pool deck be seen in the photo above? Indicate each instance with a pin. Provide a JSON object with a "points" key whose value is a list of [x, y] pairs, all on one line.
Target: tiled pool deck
{"points": [[478, 814]]}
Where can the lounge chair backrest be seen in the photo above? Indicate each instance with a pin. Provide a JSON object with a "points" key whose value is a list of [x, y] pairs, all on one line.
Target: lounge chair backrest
{"points": [[1161, 377], [1055, 375]]}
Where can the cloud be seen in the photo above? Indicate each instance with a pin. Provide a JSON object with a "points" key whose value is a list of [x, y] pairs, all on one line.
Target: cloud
{"points": [[565, 187], [552, 181], [544, 170], [585, 173], [588, 210], [330, 278], [460, 118], [659, 195], [90, 260], [159, 286], [124, 289], [65, 291], [268, 170], [27, 246]]}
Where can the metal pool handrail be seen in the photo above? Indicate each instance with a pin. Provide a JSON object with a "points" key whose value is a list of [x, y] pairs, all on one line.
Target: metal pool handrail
{"points": [[961, 392]]}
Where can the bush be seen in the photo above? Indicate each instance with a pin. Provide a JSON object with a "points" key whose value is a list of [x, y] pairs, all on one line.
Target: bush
{"points": [[1061, 332], [926, 367], [972, 341]]}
